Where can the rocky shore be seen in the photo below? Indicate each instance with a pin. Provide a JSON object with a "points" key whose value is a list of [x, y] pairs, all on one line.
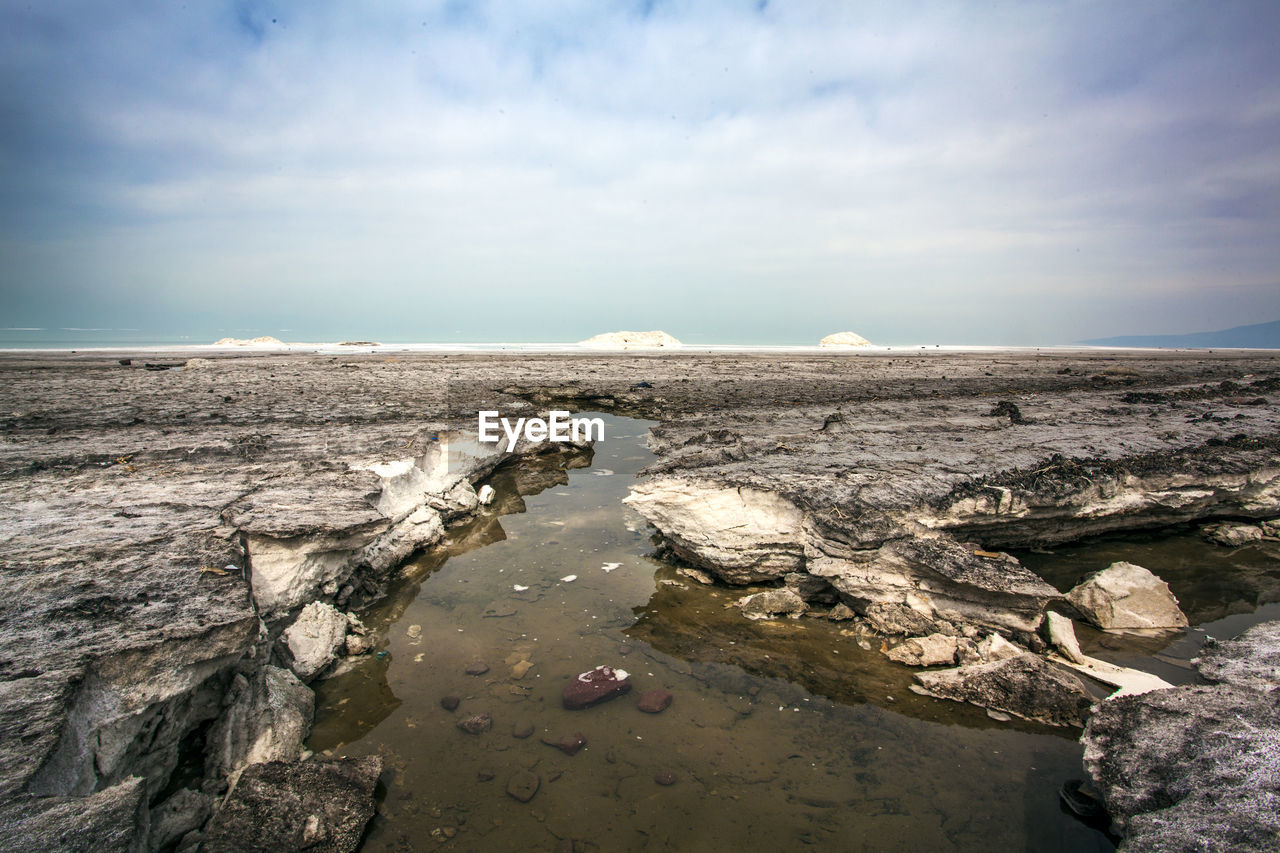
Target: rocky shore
{"points": [[189, 540]]}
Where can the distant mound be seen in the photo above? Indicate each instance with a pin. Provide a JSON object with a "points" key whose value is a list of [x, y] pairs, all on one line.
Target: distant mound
{"points": [[844, 339], [242, 342], [631, 339], [1261, 336]]}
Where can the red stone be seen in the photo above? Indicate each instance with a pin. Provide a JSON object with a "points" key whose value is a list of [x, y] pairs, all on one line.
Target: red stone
{"points": [[595, 686], [654, 701]]}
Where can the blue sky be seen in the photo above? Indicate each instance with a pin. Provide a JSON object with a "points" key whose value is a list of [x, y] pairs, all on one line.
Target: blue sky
{"points": [[727, 171]]}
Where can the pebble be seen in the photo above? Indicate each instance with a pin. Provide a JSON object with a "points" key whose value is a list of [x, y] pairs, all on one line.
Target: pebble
{"points": [[476, 723], [485, 775], [522, 729], [654, 701], [665, 777], [569, 744], [450, 703], [414, 632], [523, 785], [478, 668]]}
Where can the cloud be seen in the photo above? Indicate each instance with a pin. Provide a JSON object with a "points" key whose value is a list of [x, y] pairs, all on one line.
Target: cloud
{"points": [[956, 170]]}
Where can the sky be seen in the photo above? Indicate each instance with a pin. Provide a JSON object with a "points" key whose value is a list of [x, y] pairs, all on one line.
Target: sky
{"points": [[733, 172]]}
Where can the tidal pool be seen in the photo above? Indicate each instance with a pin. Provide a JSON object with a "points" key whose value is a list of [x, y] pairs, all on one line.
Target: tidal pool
{"points": [[782, 735]]}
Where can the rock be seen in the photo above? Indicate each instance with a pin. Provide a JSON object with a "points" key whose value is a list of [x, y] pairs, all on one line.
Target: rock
{"points": [[771, 603], [485, 495], [523, 785], [413, 632], [520, 667], [1062, 634], [665, 777], [933, 650], [814, 590], [841, 613], [630, 340], [595, 686], [844, 339], [450, 702], [1232, 534], [266, 719], [654, 701], [940, 579], [1026, 686], [360, 644], [315, 639], [476, 724], [741, 535], [994, 647], [312, 805], [1271, 527], [1127, 596], [892, 619], [696, 575], [522, 729], [569, 744], [113, 820], [184, 811], [1251, 660], [477, 668], [1189, 768]]}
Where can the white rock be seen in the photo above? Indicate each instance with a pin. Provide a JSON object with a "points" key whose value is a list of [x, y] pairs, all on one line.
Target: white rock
{"points": [[1062, 634], [628, 340], [568, 578], [933, 650], [773, 602], [994, 647], [315, 638], [267, 720], [742, 535], [485, 495], [1233, 535], [844, 339], [1127, 596]]}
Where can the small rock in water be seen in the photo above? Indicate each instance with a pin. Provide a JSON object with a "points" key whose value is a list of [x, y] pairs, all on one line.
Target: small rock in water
{"points": [[485, 495], [476, 724], [569, 744], [654, 701], [485, 775], [665, 777], [625, 650], [413, 632], [477, 668], [518, 588], [523, 785], [608, 567], [522, 729], [519, 668], [595, 686], [569, 578], [450, 703]]}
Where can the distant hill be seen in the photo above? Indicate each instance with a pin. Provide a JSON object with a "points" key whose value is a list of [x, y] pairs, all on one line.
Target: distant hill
{"points": [[1261, 336]]}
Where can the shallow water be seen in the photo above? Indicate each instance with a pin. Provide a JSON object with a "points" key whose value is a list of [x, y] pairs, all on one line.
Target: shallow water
{"points": [[782, 735]]}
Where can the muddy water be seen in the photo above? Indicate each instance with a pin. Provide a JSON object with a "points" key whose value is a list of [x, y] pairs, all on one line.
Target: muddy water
{"points": [[782, 735]]}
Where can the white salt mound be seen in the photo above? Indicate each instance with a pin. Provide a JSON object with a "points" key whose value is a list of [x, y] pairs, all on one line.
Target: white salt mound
{"points": [[844, 339], [631, 339], [242, 342]]}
